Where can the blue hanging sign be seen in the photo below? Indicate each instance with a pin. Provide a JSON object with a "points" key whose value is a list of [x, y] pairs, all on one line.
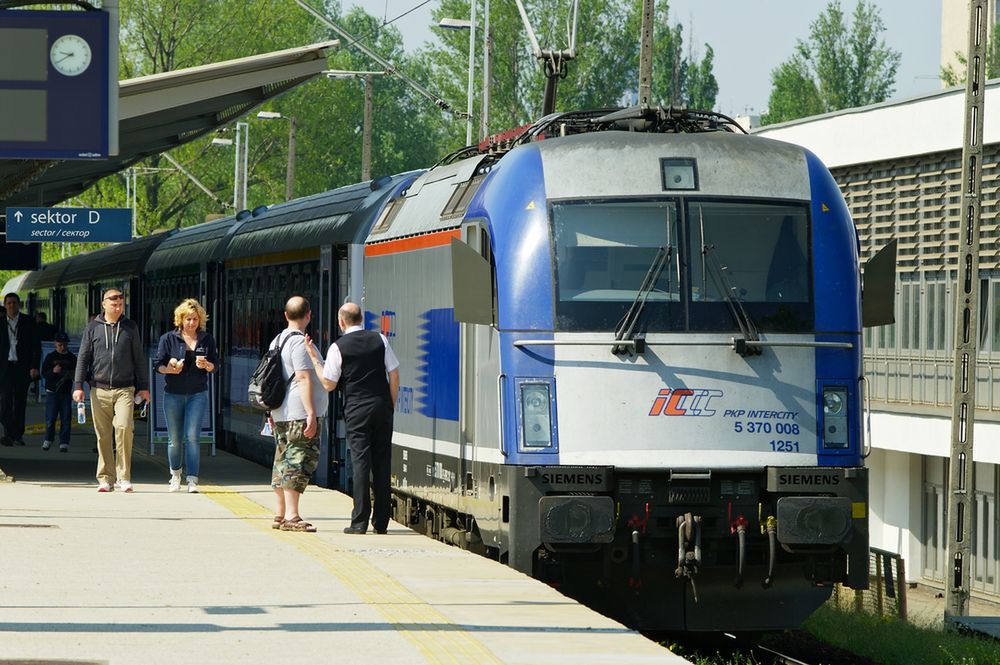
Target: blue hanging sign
{"points": [[69, 224]]}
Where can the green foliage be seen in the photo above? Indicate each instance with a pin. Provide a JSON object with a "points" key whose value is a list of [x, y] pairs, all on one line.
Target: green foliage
{"points": [[605, 67], [678, 80], [408, 131], [956, 76], [897, 643], [838, 67]]}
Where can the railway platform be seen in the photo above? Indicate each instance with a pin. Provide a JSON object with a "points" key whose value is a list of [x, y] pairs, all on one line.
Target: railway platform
{"points": [[158, 577]]}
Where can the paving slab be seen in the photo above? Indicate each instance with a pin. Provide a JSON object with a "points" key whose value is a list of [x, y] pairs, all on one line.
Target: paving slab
{"points": [[158, 577]]}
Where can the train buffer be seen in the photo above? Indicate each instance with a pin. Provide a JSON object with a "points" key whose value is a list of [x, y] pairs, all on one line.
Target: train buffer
{"points": [[156, 577]]}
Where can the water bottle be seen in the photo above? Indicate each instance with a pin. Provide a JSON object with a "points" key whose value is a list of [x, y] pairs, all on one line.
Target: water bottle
{"points": [[81, 412]]}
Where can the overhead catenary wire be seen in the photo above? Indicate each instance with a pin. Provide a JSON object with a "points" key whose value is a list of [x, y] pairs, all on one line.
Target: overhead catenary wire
{"points": [[387, 65]]}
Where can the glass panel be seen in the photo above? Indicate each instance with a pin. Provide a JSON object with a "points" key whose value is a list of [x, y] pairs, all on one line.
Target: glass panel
{"points": [[904, 319], [995, 317], [604, 252], [759, 254]]}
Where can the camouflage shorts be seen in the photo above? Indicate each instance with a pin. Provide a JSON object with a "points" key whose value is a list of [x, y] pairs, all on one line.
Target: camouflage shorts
{"points": [[295, 456]]}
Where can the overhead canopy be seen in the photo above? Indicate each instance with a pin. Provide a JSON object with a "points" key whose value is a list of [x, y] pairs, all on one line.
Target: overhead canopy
{"points": [[160, 112]]}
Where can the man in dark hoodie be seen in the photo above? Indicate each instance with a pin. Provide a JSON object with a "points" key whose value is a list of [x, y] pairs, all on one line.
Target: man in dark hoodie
{"points": [[111, 352]]}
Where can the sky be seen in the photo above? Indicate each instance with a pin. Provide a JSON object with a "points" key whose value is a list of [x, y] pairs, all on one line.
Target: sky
{"points": [[750, 38]]}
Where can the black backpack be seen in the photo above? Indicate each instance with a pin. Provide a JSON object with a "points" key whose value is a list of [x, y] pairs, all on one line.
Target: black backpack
{"points": [[267, 383]]}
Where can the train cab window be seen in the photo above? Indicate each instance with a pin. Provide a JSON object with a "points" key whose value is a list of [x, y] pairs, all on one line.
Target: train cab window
{"points": [[605, 252], [757, 253]]}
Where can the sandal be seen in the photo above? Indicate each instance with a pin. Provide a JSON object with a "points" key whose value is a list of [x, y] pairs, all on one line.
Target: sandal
{"points": [[278, 519], [297, 524]]}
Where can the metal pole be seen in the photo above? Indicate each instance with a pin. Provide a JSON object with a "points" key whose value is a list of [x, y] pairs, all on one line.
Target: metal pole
{"points": [[236, 171], [960, 485], [366, 132], [290, 174], [484, 112], [246, 157], [646, 53], [472, 65]]}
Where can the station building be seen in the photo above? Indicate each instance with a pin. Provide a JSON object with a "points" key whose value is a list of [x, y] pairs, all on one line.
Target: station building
{"points": [[899, 167]]}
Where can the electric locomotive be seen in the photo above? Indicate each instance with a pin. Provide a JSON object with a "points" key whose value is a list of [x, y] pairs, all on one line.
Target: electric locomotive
{"points": [[631, 366]]}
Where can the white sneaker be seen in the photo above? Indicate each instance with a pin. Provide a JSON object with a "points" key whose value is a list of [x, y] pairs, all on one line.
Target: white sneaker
{"points": [[64, 447], [46, 445], [125, 485], [175, 482], [103, 486], [192, 484]]}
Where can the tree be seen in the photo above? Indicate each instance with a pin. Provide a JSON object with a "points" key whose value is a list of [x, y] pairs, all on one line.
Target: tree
{"points": [[604, 70], [837, 68], [677, 80], [956, 76]]}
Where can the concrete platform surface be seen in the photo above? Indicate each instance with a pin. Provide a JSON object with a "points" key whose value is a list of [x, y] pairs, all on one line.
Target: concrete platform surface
{"points": [[155, 577]]}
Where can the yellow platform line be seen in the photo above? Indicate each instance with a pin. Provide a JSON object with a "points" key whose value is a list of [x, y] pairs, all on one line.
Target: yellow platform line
{"points": [[438, 638]]}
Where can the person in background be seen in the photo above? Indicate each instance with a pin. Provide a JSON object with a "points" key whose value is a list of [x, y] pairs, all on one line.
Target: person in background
{"points": [[20, 354], [57, 370], [186, 356], [46, 331], [111, 353]]}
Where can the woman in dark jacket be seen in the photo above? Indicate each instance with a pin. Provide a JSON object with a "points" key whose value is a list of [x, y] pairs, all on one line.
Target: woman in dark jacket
{"points": [[186, 355]]}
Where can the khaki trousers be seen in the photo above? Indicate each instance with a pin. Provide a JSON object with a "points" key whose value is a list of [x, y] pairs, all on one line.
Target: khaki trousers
{"points": [[112, 410]]}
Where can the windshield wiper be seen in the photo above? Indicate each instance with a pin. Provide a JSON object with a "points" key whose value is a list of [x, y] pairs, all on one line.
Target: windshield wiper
{"points": [[627, 327], [748, 329]]}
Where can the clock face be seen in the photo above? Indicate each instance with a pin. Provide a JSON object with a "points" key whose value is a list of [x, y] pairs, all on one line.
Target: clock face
{"points": [[70, 55]]}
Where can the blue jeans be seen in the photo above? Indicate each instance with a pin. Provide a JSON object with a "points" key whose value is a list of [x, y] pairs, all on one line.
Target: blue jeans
{"points": [[57, 405], [184, 415]]}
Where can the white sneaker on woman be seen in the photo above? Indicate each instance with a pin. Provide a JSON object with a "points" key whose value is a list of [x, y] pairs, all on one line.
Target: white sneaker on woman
{"points": [[175, 481], [192, 484]]}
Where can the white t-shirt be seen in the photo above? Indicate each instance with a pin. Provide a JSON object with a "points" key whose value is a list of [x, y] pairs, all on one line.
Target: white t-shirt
{"points": [[335, 362], [295, 357]]}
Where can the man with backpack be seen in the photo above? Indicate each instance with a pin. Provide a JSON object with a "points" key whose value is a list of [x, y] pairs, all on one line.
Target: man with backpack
{"points": [[295, 422]]}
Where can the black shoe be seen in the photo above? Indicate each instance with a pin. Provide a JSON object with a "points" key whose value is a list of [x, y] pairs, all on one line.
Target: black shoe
{"points": [[358, 530], [6, 441], [18, 442], [381, 532]]}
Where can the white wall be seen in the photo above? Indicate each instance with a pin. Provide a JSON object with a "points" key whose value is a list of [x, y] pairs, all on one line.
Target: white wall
{"points": [[915, 126]]}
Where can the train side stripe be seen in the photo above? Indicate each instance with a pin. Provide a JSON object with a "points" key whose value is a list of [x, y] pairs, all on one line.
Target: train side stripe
{"points": [[435, 239]]}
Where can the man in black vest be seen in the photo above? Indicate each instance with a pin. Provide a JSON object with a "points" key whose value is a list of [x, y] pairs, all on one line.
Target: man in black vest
{"points": [[362, 363], [20, 357]]}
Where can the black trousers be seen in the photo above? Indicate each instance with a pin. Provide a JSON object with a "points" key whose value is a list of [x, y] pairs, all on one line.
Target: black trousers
{"points": [[14, 399], [369, 437]]}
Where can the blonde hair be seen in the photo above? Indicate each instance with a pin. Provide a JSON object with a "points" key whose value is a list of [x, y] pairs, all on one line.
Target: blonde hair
{"points": [[190, 306]]}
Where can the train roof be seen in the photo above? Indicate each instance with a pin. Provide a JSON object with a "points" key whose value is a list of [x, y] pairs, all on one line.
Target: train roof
{"points": [[340, 216], [191, 246], [424, 213], [119, 260], [124, 260], [728, 164]]}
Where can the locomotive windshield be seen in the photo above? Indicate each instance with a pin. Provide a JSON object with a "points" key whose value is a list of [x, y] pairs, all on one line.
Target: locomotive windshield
{"points": [[604, 250]]}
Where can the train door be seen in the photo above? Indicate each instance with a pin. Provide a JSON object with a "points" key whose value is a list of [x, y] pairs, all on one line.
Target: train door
{"points": [[475, 383], [328, 473]]}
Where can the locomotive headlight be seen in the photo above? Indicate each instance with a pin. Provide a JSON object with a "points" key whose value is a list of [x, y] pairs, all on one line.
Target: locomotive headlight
{"points": [[833, 403], [835, 427], [536, 415]]}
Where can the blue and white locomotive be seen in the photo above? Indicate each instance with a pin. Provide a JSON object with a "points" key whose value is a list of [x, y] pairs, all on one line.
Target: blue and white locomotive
{"points": [[631, 366], [630, 345]]}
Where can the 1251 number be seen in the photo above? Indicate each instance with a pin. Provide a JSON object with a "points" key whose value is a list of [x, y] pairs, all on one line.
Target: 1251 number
{"points": [[784, 446]]}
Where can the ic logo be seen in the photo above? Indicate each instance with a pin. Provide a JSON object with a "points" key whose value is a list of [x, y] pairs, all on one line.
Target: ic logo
{"points": [[684, 402], [387, 323]]}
